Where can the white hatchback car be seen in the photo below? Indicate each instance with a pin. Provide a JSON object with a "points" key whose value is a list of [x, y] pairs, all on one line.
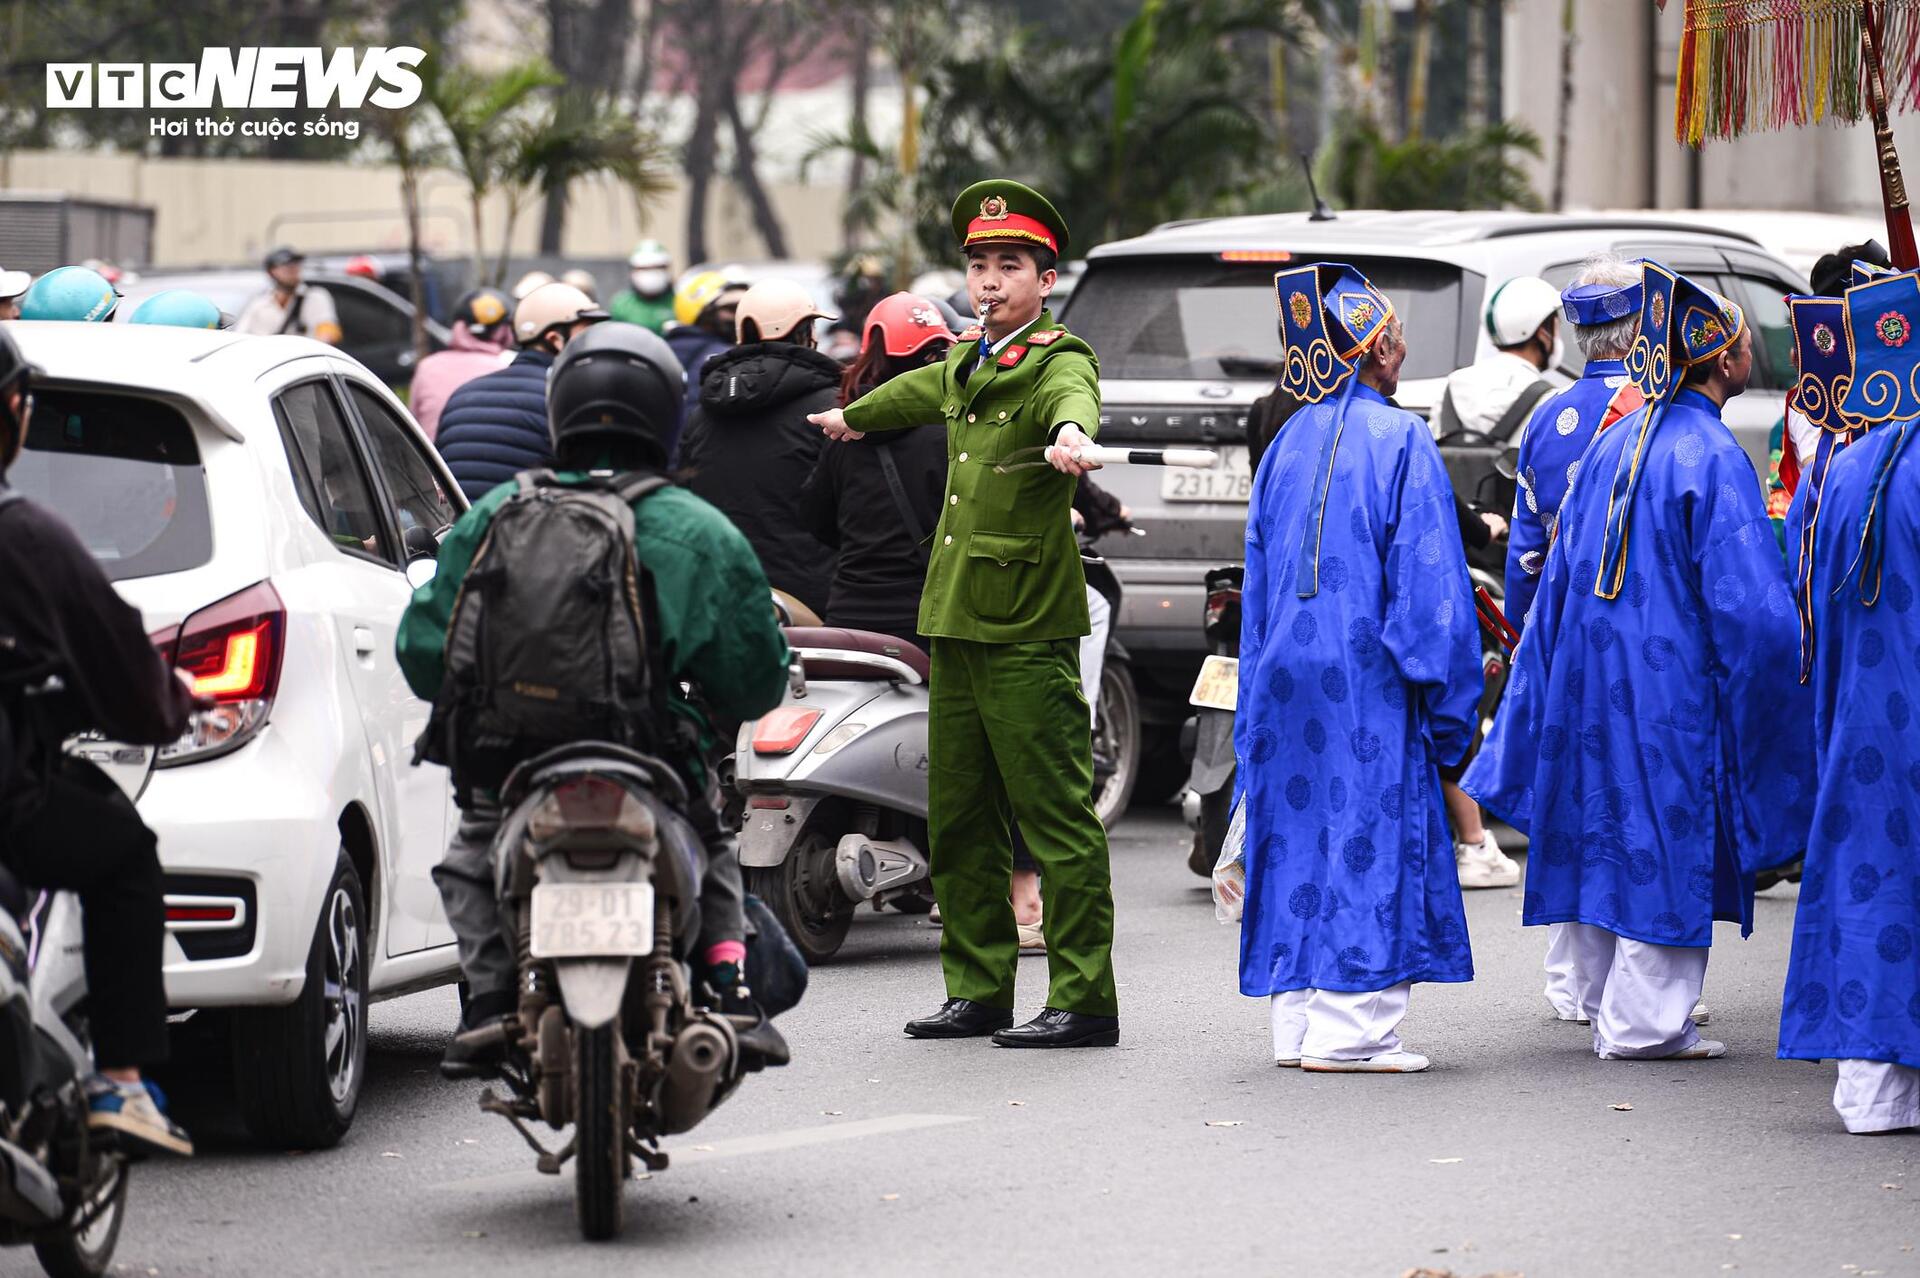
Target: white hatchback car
{"points": [[261, 501]]}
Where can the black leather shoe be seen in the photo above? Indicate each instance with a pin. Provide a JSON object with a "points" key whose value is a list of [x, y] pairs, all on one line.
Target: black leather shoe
{"points": [[961, 1018], [1055, 1028], [478, 1052]]}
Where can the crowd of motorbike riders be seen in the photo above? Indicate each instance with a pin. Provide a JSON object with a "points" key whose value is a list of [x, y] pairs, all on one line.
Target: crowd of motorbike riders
{"points": [[708, 382]]}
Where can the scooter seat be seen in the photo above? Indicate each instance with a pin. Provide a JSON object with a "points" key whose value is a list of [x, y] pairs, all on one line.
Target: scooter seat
{"points": [[817, 644]]}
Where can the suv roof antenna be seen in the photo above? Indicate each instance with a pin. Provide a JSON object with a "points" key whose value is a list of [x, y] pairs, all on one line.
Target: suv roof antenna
{"points": [[1321, 213]]}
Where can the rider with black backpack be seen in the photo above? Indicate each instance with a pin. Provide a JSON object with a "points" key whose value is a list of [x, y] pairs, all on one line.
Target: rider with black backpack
{"points": [[573, 606]]}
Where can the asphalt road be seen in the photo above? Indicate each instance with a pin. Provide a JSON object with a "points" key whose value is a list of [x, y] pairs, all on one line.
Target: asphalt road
{"points": [[1183, 1151]]}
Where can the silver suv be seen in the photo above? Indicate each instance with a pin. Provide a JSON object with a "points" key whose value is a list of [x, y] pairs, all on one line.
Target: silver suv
{"points": [[1184, 320]]}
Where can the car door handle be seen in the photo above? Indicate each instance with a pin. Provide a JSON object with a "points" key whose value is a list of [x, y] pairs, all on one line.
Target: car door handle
{"points": [[363, 642]]}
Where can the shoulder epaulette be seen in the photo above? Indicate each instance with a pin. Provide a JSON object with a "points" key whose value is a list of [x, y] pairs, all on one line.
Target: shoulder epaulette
{"points": [[1046, 337], [973, 334]]}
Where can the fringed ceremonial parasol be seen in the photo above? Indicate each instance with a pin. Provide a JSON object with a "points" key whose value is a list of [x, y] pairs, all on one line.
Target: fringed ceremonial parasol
{"points": [[1751, 65]]}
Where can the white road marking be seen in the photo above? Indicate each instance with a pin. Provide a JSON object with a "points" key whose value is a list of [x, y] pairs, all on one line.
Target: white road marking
{"points": [[770, 1142]]}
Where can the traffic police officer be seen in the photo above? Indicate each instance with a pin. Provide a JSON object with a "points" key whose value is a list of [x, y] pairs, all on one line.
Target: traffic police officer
{"points": [[1005, 605]]}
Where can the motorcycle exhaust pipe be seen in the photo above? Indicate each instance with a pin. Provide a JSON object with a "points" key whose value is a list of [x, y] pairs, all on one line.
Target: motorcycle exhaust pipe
{"points": [[28, 1194], [699, 1061]]}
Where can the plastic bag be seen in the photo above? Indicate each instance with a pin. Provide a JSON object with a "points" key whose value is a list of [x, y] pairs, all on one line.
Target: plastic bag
{"points": [[1230, 871]]}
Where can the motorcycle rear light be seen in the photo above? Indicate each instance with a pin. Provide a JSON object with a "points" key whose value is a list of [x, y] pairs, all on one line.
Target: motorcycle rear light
{"points": [[776, 802], [589, 803], [782, 731], [231, 650]]}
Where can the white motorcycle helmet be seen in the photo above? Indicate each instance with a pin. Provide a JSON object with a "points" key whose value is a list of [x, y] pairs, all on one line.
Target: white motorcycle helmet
{"points": [[1518, 308]]}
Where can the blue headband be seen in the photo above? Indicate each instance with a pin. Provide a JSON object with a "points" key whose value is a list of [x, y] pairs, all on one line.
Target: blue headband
{"points": [[1591, 304]]}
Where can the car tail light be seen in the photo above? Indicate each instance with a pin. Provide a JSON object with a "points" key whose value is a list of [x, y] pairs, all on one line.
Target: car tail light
{"points": [[1255, 255], [231, 650], [782, 731], [586, 803]]}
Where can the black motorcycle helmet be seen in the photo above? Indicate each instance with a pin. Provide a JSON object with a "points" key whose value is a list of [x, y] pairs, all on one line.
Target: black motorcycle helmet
{"points": [[617, 383], [483, 310]]}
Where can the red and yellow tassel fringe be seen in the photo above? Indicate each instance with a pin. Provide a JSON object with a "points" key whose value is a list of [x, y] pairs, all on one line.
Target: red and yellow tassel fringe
{"points": [[1750, 65]]}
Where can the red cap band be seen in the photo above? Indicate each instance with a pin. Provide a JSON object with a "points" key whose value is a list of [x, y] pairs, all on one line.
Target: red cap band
{"points": [[1013, 226]]}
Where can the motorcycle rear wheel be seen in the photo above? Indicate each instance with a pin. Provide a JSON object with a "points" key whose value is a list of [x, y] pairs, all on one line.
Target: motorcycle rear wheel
{"points": [[599, 1132], [87, 1253]]}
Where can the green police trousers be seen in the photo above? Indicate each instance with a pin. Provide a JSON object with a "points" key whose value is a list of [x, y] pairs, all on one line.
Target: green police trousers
{"points": [[1007, 737]]}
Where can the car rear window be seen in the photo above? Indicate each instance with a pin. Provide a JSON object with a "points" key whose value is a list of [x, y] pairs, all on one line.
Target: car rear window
{"points": [[125, 474], [1195, 317]]}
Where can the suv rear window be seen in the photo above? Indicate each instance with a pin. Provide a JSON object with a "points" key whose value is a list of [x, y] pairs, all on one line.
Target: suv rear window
{"points": [[1194, 317], [125, 474]]}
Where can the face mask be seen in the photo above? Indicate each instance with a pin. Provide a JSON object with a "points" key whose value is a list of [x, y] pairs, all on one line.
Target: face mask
{"points": [[650, 282]]}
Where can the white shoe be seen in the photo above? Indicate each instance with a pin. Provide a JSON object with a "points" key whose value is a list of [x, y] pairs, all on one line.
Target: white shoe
{"points": [[933, 915], [1287, 1062], [1484, 865], [1704, 1050], [1573, 1016], [1700, 1012], [1032, 939], [1398, 1062]]}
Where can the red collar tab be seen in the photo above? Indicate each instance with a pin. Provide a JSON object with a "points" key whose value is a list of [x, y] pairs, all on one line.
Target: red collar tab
{"points": [[1010, 226], [1011, 356]]}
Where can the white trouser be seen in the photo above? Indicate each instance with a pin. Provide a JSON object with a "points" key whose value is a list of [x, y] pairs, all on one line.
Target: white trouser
{"points": [[1639, 997], [1331, 1025], [1877, 1096], [1560, 973], [1093, 649]]}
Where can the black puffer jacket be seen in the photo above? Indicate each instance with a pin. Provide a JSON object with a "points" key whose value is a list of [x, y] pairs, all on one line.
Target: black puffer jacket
{"points": [[849, 504], [749, 449]]}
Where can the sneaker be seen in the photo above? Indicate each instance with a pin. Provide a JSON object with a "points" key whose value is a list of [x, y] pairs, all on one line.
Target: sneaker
{"points": [[1484, 865], [933, 915], [1287, 1062], [1401, 1062], [1700, 1012], [1704, 1050], [1032, 939], [138, 1112]]}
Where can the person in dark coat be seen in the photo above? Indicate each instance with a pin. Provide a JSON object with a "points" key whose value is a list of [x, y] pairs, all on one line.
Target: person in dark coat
{"points": [[749, 448], [495, 426], [880, 524]]}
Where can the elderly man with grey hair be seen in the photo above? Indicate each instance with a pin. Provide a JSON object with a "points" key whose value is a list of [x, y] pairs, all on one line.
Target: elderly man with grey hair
{"points": [[1602, 306]]}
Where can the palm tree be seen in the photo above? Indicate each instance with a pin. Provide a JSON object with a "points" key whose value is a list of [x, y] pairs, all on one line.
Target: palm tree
{"points": [[575, 138], [476, 110]]}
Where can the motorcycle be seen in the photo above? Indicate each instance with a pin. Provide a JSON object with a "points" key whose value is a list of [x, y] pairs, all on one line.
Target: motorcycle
{"points": [[834, 780], [599, 879], [63, 1188], [1207, 803]]}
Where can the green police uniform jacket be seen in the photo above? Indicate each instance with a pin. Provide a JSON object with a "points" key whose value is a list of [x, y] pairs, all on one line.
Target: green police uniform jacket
{"points": [[1005, 567]]}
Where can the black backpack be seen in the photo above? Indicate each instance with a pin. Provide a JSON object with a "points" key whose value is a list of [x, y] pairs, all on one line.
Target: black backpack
{"points": [[549, 642]]}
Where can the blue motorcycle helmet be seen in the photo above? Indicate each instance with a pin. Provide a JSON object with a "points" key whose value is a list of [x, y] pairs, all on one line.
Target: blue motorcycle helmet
{"points": [[71, 293], [180, 308]]}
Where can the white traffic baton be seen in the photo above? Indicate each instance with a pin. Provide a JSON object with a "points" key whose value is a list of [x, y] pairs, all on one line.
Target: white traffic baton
{"points": [[1191, 458]]}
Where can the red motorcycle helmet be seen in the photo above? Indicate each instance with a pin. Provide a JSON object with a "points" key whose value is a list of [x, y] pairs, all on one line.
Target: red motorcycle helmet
{"points": [[906, 322]]}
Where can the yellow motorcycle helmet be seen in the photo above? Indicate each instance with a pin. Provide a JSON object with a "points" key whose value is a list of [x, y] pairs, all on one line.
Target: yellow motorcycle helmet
{"points": [[698, 292]]}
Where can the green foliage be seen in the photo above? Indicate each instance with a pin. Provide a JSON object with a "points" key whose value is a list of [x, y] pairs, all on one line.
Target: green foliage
{"points": [[1163, 117], [1476, 170]]}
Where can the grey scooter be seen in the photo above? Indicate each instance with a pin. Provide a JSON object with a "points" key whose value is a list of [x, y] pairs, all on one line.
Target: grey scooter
{"points": [[835, 779]]}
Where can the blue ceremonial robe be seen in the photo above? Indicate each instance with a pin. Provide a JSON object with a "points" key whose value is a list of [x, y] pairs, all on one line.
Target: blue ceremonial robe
{"points": [[1348, 702], [1656, 748], [1556, 439], [1853, 985]]}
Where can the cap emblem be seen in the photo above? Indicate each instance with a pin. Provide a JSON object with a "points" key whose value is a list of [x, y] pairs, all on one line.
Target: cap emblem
{"points": [[993, 209]]}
